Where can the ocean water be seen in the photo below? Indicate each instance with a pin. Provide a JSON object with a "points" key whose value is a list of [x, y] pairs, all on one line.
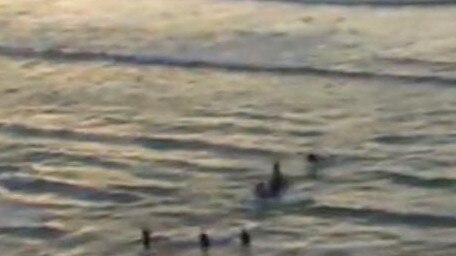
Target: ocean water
{"points": [[117, 115]]}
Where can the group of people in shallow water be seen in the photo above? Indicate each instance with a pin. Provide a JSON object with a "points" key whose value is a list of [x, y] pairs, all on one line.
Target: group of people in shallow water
{"points": [[204, 239], [274, 187]]}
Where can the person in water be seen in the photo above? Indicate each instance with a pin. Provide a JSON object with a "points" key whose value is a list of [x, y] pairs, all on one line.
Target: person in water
{"points": [[262, 191], [205, 242], [145, 234], [313, 158], [277, 183], [245, 238]]}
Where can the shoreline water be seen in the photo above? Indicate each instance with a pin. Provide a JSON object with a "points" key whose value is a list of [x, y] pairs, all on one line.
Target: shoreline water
{"points": [[164, 114]]}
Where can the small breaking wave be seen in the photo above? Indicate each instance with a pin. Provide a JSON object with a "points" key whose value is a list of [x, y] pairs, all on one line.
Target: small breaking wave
{"points": [[150, 142], [39, 156], [415, 181], [34, 232], [169, 61], [407, 139], [383, 217], [37, 185]]}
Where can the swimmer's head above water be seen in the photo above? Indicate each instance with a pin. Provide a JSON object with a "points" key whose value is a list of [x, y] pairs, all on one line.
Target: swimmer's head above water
{"points": [[313, 158]]}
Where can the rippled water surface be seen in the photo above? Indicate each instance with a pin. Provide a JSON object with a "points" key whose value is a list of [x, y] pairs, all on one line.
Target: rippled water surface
{"points": [[116, 115]]}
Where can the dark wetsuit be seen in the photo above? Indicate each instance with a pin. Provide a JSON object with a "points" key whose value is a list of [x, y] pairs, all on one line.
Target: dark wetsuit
{"points": [[277, 183], [205, 242], [146, 238], [245, 238]]}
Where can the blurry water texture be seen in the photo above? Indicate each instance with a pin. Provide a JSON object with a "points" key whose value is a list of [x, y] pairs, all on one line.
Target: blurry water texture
{"points": [[117, 115]]}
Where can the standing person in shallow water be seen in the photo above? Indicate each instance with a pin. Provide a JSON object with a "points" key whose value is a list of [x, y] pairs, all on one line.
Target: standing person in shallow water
{"points": [[245, 238], [145, 239], [204, 240], [277, 182]]}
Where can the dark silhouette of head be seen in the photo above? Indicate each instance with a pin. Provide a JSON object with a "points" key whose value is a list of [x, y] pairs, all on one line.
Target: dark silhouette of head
{"points": [[145, 233], [312, 158], [205, 242], [244, 237], [276, 167]]}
